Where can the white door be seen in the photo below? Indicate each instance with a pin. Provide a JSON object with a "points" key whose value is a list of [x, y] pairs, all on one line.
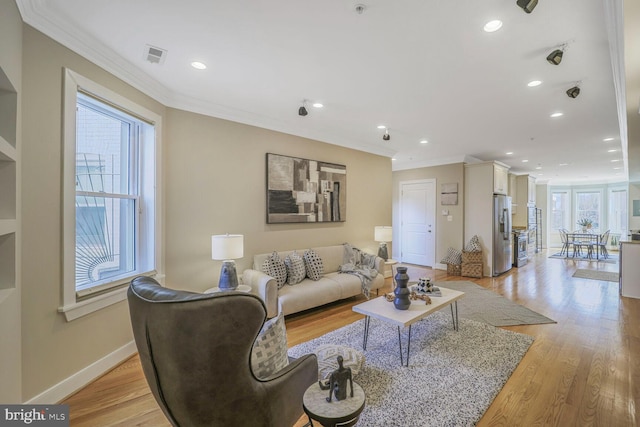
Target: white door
{"points": [[417, 222]]}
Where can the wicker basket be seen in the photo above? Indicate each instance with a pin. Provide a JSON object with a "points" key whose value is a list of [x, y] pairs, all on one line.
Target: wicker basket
{"points": [[471, 269], [471, 257], [453, 270]]}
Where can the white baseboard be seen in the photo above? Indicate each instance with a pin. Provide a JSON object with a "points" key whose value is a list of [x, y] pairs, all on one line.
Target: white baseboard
{"points": [[440, 266], [75, 382]]}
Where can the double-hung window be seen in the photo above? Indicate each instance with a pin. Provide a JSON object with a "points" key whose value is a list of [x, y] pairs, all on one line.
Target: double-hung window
{"points": [[588, 206], [110, 195]]}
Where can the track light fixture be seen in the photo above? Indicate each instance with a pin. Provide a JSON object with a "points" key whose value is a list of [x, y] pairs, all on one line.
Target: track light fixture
{"points": [[574, 91], [386, 135], [555, 57], [527, 5], [302, 111]]}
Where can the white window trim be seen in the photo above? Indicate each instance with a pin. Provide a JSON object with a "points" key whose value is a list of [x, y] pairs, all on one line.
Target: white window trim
{"points": [[71, 307]]}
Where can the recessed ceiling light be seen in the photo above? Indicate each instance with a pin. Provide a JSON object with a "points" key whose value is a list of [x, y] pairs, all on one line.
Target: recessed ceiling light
{"points": [[613, 150], [525, 161], [608, 139], [318, 105], [563, 164], [615, 160], [538, 168], [492, 26], [558, 114], [534, 83], [540, 174], [393, 158], [424, 141], [198, 65], [508, 153], [382, 127], [615, 169]]}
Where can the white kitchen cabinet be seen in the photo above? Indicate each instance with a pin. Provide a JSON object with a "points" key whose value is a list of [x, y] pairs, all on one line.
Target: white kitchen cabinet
{"points": [[500, 179], [630, 268], [531, 190], [525, 197], [513, 193]]}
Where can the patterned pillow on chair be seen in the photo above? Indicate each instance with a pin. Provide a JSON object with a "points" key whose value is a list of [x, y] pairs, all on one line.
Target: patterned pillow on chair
{"points": [[275, 268], [296, 271], [269, 353], [313, 265]]}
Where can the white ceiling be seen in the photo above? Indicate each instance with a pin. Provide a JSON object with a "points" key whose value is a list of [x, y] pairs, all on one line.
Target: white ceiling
{"points": [[426, 69]]}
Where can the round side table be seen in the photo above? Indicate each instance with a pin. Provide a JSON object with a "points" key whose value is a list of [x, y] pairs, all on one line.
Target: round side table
{"points": [[337, 412], [240, 288]]}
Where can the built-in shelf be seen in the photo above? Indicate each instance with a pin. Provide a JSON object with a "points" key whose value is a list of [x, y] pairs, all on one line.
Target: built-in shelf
{"points": [[8, 261], [7, 226], [8, 109], [7, 151], [8, 185], [8, 178]]}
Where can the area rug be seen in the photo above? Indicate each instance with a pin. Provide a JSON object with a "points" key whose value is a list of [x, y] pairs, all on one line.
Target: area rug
{"points": [[484, 305], [452, 377], [607, 276], [611, 259]]}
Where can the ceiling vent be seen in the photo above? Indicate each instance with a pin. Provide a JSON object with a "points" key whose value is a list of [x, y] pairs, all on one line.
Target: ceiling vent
{"points": [[155, 55]]}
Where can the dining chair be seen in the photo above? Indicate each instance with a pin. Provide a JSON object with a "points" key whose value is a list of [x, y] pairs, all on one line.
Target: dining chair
{"points": [[578, 244], [564, 237], [603, 241]]}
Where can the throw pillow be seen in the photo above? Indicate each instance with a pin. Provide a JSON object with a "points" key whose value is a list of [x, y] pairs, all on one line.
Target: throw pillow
{"points": [[328, 359], [454, 257], [473, 245], [296, 271], [313, 265], [275, 268], [269, 353]]}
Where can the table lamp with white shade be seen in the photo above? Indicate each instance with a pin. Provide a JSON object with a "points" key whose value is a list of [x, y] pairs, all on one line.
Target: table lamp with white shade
{"points": [[383, 234], [226, 248]]}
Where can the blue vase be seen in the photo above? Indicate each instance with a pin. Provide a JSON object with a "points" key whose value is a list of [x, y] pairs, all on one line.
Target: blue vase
{"points": [[402, 301]]}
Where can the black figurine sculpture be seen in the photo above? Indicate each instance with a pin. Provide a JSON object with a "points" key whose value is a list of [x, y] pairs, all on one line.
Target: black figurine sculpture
{"points": [[338, 382]]}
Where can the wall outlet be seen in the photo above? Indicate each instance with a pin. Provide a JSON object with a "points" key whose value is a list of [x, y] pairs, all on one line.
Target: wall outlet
{"points": [[450, 218], [445, 212]]}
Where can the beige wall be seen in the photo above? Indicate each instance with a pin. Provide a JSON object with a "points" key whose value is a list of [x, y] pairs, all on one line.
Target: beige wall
{"points": [[448, 233], [10, 327], [54, 349], [214, 174], [215, 183]]}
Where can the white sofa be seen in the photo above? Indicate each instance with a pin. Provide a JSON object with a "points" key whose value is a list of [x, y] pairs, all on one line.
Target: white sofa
{"points": [[332, 286]]}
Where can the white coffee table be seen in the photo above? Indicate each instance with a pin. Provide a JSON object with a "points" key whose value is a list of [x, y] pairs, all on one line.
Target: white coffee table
{"points": [[381, 309]]}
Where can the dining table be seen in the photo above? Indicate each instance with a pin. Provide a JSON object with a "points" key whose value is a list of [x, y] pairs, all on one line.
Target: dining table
{"points": [[583, 238]]}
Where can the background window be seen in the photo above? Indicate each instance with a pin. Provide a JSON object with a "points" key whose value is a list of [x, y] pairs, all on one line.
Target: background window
{"points": [[588, 206], [618, 215], [560, 210]]}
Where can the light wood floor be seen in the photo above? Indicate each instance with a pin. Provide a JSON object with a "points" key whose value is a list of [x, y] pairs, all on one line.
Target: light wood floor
{"points": [[582, 371]]}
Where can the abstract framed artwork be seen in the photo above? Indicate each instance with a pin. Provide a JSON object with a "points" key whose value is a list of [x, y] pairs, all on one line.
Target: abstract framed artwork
{"points": [[303, 190]]}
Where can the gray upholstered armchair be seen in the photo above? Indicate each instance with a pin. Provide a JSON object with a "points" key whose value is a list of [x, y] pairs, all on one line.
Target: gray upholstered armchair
{"points": [[195, 351]]}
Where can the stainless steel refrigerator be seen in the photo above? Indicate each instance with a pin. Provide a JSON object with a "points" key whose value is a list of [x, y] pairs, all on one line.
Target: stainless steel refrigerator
{"points": [[502, 238]]}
